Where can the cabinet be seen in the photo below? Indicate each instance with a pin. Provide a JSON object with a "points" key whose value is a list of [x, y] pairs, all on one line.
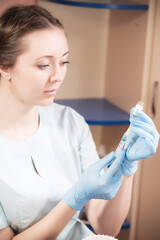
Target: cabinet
{"points": [[101, 106], [96, 50], [115, 56]]}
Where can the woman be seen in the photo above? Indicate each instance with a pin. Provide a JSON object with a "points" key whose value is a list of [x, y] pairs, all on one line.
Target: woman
{"points": [[45, 147]]}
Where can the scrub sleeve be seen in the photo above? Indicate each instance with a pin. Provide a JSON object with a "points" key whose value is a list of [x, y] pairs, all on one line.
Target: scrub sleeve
{"points": [[3, 220]]}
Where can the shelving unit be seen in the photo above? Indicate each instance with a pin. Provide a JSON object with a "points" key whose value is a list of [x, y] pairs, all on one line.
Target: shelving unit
{"points": [[97, 111], [104, 4], [124, 36], [100, 111]]}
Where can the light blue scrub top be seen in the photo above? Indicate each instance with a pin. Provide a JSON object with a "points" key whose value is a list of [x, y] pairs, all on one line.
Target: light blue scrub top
{"points": [[61, 149]]}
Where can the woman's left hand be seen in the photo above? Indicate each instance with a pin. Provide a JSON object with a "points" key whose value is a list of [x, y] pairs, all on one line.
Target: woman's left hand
{"points": [[141, 143], [94, 185]]}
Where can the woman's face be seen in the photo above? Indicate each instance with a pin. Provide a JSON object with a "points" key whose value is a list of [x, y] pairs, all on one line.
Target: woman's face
{"points": [[40, 70]]}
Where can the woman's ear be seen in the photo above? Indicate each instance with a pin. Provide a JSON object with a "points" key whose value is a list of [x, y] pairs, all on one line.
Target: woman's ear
{"points": [[5, 73]]}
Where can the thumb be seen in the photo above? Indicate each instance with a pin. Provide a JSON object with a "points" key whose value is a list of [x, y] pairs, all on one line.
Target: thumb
{"points": [[117, 162], [104, 161]]}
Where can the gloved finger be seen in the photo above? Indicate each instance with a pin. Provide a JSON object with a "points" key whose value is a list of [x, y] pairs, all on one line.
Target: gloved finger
{"points": [[146, 127], [146, 133], [138, 121], [142, 116], [118, 173], [131, 111], [132, 137], [151, 146], [117, 176], [99, 165], [147, 149], [115, 166], [143, 131]]}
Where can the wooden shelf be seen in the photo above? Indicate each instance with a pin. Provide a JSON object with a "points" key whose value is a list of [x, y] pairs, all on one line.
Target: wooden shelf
{"points": [[104, 4], [97, 111]]}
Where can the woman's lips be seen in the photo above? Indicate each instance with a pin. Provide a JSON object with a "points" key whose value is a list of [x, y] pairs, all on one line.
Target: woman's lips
{"points": [[51, 92]]}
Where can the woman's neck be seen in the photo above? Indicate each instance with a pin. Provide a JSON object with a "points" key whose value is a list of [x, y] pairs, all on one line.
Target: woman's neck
{"points": [[18, 121]]}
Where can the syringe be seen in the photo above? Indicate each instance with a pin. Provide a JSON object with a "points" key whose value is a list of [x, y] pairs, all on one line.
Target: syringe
{"points": [[121, 145]]}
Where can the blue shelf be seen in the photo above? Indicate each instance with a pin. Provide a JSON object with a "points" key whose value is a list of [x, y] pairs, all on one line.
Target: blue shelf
{"points": [[84, 219], [125, 225], [97, 111], [104, 4]]}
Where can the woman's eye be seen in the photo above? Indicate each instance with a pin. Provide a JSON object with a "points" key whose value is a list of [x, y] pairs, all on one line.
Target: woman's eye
{"points": [[65, 62], [43, 66]]}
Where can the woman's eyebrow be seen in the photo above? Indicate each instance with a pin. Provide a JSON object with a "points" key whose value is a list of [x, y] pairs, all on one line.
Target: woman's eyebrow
{"points": [[66, 53], [50, 56]]}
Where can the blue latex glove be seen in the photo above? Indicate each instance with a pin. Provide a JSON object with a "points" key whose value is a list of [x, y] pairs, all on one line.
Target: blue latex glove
{"points": [[94, 185], [141, 143]]}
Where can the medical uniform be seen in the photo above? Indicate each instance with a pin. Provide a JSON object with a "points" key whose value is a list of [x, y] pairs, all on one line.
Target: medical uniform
{"points": [[36, 173]]}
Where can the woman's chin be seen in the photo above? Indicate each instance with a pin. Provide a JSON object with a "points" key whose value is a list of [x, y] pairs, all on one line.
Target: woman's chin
{"points": [[46, 102]]}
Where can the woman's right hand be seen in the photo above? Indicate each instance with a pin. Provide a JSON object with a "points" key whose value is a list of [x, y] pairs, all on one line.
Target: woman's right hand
{"points": [[94, 185], [142, 141]]}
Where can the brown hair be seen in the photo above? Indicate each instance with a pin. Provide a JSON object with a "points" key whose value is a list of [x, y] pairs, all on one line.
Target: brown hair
{"points": [[15, 23]]}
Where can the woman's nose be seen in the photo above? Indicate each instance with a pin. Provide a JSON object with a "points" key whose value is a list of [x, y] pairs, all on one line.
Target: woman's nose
{"points": [[56, 75]]}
